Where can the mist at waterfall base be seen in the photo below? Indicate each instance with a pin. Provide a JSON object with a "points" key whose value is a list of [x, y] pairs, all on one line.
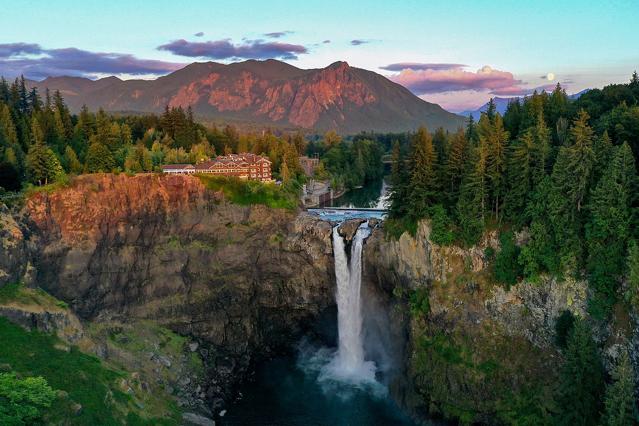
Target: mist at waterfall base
{"points": [[322, 384]]}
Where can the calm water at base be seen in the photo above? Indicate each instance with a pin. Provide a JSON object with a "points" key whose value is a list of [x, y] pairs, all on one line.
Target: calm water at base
{"points": [[286, 392]]}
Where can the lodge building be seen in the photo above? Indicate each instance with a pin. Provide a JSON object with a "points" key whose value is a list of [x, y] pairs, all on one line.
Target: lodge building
{"points": [[243, 166]]}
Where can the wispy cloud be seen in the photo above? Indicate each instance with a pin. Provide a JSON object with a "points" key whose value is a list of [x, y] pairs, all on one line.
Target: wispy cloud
{"points": [[419, 66], [278, 34], [452, 79], [358, 42], [225, 49], [36, 62], [199, 34]]}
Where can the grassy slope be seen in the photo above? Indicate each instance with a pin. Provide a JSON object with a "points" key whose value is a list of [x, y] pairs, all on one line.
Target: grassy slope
{"points": [[244, 192], [85, 380]]}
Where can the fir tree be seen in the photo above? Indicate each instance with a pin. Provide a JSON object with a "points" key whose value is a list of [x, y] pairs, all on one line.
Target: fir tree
{"points": [[71, 161], [422, 178], [496, 165], [608, 231], [472, 198], [491, 109], [455, 164], [570, 184], [539, 254], [99, 159], [520, 172], [399, 183], [620, 402], [581, 380], [42, 164]]}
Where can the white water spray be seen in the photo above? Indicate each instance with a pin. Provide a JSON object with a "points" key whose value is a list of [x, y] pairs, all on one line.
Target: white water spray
{"points": [[349, 364]]}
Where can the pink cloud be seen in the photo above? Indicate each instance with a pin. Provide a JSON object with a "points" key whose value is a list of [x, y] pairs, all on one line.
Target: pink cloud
{"points": [[485, 79]]}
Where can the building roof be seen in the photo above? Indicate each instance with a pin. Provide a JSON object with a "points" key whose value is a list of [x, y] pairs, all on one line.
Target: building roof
{"points": [[177, 166], [236, 160]]}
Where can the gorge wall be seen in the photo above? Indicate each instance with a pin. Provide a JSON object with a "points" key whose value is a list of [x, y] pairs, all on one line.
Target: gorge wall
{"points": [[242, 282], [473, 350]]}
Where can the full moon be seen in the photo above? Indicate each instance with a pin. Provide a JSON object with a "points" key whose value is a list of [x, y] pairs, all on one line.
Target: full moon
{"points": [[550, 76]]}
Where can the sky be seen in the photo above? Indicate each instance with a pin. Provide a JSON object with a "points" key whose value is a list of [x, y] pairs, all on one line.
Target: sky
{"points": [[454, 53]]}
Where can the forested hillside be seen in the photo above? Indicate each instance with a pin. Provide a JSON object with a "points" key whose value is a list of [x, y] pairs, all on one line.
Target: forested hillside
{"points": [[559, 176]]}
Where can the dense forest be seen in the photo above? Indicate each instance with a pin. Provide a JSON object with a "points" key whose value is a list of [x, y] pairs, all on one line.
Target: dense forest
{"points": [[558, 180], [41, 142]]}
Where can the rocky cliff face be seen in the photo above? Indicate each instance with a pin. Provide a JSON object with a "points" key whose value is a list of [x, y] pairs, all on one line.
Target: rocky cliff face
{"points": [[470, 344], [13, 249], [242, 282]]}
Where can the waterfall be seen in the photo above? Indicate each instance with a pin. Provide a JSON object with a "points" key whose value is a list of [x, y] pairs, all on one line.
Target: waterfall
{"points": [[349, 363]]}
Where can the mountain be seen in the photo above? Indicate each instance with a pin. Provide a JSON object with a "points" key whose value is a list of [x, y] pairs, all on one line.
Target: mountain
{"points": [[338, 97], [502, 103]]}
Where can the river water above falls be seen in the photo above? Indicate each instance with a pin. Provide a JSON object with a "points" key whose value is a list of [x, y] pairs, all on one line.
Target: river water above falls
{"points": [[372, 195], [322, 384]]}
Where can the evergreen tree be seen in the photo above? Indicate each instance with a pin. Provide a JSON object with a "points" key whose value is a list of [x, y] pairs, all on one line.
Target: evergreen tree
{"points": [[609, 227], [284, 173], [472, 198], [455, 164], [620, 402], [71, 161], [581, 380], [491, 109], [541, 152], [8, 134], [471, 131], [496, 165], [570, 184], [520, 176], [539, 254], [399, 183], [42, 165], [603, 150], [422, 178], [99, 159]]}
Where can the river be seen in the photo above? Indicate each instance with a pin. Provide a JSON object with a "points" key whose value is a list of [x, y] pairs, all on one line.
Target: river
{"points": [[372, 195]]}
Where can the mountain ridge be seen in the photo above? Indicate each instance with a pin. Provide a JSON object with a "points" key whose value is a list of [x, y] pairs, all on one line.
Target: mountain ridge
{"points": [[338, 97]]}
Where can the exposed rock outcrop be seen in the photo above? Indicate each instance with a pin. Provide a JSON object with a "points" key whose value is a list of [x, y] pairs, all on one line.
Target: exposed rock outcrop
{"points": [[244, 281], [13, 249], [467, 339]]}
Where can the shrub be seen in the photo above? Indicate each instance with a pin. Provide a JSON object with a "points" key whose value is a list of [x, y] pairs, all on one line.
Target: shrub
{"points": [[507, 268], [23, 401], [419, 302], [441, 232]]}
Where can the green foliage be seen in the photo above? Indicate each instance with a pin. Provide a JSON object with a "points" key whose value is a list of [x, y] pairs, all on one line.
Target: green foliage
{"points": [[563, 327], [609, 228], [351, 164], [23, 401], [507, 268], [581, 383], [441, 226], [99, 159], [419, 302], [620, 403], [422, 177], [632, 267], [395, 228], [246, 192], [83, 377]]}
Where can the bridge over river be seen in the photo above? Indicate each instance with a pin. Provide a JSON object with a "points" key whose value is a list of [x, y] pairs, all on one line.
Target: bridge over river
{"points": [[339, 214]]}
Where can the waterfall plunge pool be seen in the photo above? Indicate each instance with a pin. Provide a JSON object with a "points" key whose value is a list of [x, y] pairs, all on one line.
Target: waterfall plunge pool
{"points": [[323, 384]]}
